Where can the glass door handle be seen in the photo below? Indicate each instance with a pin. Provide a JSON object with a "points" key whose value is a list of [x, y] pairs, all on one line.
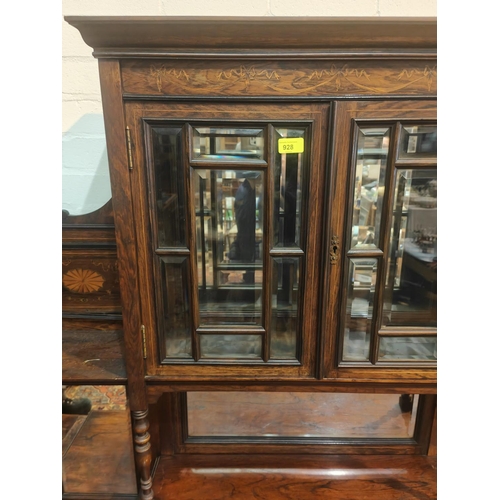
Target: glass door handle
{"points": [[334, 249]]}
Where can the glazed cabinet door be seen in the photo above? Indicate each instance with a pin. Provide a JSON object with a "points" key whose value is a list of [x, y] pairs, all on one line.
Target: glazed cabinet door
{"points": [[228, 200], [381, 300]]}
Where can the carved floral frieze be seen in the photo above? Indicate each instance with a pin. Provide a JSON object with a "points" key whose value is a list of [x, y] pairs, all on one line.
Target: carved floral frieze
{"points": [[246, 75], [285, 79], [161, 72]]}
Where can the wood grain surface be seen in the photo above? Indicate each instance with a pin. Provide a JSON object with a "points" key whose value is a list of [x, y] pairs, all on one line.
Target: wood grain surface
{"points": [[293, 477], [93, 357], [100, 459], [109, 74], [71, 425], [280, 79], [107, 34]]}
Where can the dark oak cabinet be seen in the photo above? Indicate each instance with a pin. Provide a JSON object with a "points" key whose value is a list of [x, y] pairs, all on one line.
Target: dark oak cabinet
{"points": [[274, 189]]}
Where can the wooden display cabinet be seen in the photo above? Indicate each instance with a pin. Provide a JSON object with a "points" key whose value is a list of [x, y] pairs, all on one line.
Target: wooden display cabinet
{"points": [[274, 190]]}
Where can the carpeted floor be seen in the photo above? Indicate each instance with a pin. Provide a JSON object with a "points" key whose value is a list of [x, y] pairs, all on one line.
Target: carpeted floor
{"points": [[103, 397]]}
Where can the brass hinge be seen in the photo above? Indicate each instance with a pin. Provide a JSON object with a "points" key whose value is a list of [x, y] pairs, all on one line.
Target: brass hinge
{"points": [[129, 150], [143, 332]]}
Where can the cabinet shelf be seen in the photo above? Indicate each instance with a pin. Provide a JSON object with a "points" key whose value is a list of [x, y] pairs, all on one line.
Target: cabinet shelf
{"points": [[99, 461], [382, 477], [93, 357]]}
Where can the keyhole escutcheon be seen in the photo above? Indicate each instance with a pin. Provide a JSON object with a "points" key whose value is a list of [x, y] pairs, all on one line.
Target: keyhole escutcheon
{"points": [[334, 249]]}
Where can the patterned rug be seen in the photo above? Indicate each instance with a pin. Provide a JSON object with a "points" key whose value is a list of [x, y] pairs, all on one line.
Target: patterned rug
{"points": [[103, 397]]}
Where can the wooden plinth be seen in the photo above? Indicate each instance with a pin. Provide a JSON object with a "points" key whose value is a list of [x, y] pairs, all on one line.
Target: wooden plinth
{"points": [[292, 477]]}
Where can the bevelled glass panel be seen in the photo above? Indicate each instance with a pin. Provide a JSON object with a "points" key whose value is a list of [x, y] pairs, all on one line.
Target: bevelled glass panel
{"points": [[204, 259], [285, 279], [407, 349], [359, 309], [369, 185], [418, 141], [230, 346], [169, 186], [299, 415], [228, 144], [229, 217], [288, 171], [410, 296], [175, 313]]}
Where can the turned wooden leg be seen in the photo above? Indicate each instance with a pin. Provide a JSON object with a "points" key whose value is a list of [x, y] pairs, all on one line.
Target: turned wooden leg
{"points": [[142, 448]]}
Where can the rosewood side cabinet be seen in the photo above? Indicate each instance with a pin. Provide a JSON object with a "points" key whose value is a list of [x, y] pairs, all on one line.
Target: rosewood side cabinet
{"points": [[274, 187]]}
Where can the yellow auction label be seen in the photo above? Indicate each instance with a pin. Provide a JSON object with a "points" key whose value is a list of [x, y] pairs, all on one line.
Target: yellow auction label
{"points": [[291, 145]]}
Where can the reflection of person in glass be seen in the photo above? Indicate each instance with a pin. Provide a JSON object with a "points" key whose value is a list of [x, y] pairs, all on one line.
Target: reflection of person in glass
{"points": [[244, 248]]}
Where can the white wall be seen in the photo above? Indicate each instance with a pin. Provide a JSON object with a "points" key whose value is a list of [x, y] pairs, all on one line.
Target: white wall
{"points": [[85, 170]]}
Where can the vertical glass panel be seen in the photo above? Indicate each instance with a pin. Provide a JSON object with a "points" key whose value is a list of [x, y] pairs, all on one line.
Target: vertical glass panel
{"points": [[169, 186], [229, 245], [359, 313], [418, 141], [299, 415], [369, 185], [410, 297], [231, 346], [288, 188], [175, 314], [408, 349], [228, 144], [285, 300], [204, 254]]}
